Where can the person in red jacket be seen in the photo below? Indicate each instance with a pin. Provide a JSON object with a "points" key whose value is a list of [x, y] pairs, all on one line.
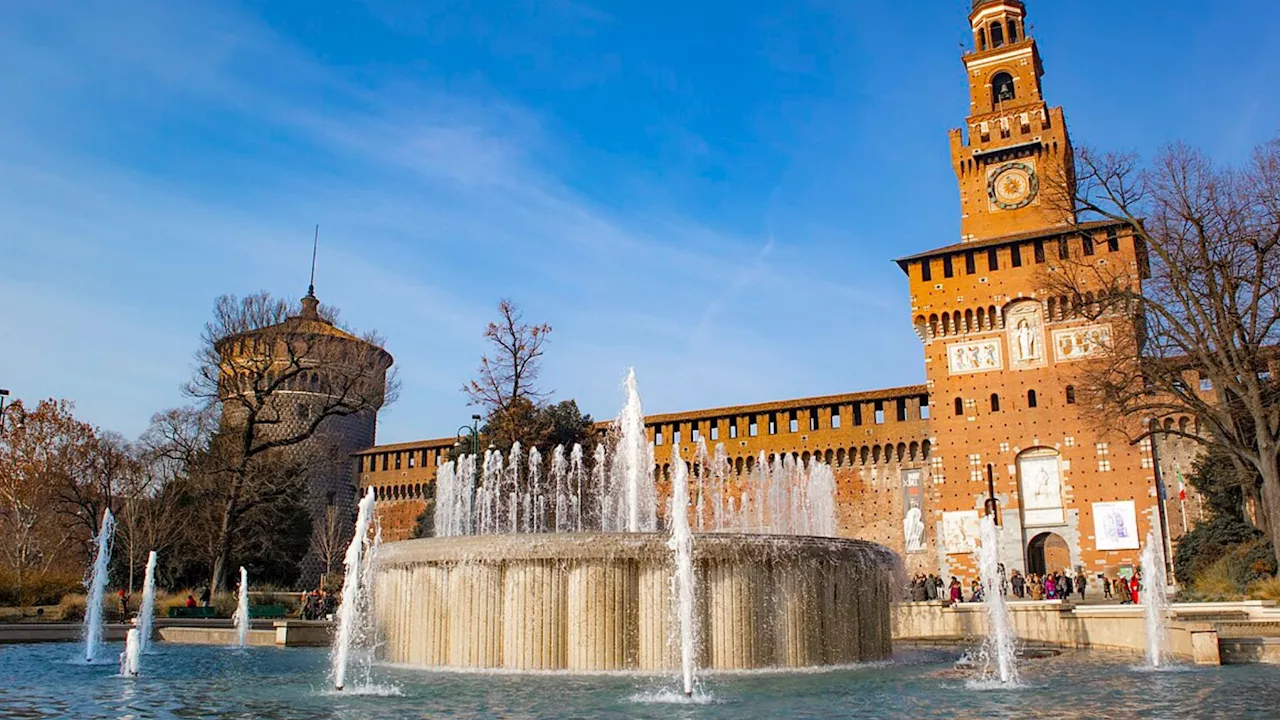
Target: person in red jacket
{"points": [[1135, 584], [191, 601]]}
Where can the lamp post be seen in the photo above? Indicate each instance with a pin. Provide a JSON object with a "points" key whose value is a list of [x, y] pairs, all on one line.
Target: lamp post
{"points": [[472, 430], [3, 394]]}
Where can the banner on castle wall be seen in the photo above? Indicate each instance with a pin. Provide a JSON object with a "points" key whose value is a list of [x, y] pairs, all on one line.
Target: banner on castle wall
{"points": [[1115, 525], [1040, 476], [913, 510], [973, 357], [961, 530], [1081, 343]]}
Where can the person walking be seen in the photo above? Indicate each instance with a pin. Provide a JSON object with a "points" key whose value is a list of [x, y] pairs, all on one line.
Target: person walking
{"points": [[124, 605], [1019, 584], [931, 588], [1106, 587], [955, 590], [1081, 583], [205, 596]]}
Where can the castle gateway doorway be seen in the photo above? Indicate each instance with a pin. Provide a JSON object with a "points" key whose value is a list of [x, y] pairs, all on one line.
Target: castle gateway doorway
{"points": [[1047, 552]]}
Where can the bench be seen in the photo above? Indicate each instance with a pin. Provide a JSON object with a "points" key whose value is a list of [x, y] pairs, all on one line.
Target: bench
{"points": [[192, 612], [271, 612]]}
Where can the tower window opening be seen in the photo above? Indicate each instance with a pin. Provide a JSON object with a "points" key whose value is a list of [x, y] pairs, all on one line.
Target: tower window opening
{"points": [[1071, 394], [835, 418], [1013, 31], [1039, 248], [982, 39], [995, 402], [970, 265], [1088, 244], [993, 260], [675, 434], [924, 408], [715, 431], [1002, 88], [879, 413], [813, 419], [1015, 255], [857, 414], [793, 423], [902, 410], [1064, 249], [773, 423], [1113, 240], [733, 429], [997, 34], [959, 406], [1031, 398], [926, 270], [947, 269], [657, 436]]}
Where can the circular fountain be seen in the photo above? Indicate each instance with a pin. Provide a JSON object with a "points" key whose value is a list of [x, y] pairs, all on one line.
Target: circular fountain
{"points": [[603, 601], [749, 576]]}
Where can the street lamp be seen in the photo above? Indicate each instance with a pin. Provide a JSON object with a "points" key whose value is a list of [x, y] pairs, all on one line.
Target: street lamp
{"points": [[473, 430], [3, 394]]}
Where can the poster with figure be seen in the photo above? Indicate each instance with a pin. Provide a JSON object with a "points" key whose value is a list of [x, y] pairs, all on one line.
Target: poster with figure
{"points": [[913, 505], [1041, 484], [1025, 325], [961, 530], [1115, 525], [972, 357], [1081, 343]]}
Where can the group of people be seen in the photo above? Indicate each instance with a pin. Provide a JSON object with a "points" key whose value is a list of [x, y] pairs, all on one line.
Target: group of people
{"points": [[1032, 586], [318, 604], [1049, 586]]}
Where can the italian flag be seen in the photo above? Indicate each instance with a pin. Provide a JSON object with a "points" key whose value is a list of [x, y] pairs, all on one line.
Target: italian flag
{"points": [[1182, 487]]}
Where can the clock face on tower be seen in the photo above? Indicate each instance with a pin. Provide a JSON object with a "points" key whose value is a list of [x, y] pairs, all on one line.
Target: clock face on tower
{"points": [[1012, 185]]}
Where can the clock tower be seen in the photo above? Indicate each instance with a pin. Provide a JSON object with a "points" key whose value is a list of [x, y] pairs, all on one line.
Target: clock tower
{"points": [[1013, 157]]}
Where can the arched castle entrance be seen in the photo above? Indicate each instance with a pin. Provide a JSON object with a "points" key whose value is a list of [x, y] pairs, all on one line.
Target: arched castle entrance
{"points": [[1047, 552]]}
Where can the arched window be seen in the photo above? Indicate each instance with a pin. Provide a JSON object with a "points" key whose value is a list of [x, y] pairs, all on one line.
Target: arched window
{"points": [[1002, 88], [1071, 394], [959, 406], [995, 402], [982, 39], [1031, 398], [1013, 31], [997, 34]]}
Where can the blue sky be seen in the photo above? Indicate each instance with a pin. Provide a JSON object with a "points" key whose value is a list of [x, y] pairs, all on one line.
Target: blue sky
{"points": [[710, 191]]}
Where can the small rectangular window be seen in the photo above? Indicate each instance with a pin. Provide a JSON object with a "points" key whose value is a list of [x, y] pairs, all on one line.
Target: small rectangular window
{"points": [[879, 413], [386, 459], [359, 463], [926, 270], [947, 270], [835, 418], [1064, 249], [970, 264], [773, 423], [924, 409], [694, 434], [813, 419], [1039, 250], [993, 259], [657, 437], [411, 459], [1206, 385], [1087, 244], [902, 410], [753, 429], [857, 414], [733, 429], [1113, 240], [1015, 255], [675, 436], [715, 432]]}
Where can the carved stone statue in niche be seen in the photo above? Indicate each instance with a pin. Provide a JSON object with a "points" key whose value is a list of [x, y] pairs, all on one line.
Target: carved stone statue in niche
{"points": [[1025, 323]]}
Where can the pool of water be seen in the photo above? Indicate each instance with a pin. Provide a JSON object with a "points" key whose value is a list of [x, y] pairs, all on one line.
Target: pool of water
{"points": [[43, 681]]}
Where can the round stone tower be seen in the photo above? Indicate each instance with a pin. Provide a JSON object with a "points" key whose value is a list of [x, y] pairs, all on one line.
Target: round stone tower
{"points": [[314, 389]]}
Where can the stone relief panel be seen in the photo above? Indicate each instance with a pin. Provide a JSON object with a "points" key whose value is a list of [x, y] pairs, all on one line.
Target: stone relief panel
{"points": [[1039, 472], [913, 504], [961, 531], [1081, 343], [973, 357], [1024, 321]]}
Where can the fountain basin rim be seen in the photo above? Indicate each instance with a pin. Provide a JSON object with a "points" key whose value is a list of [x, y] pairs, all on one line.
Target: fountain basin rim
{"points": [[624, 546]]}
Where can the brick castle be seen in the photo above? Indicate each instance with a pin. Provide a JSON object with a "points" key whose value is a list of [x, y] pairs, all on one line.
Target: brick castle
{"points": [[997, 418]]}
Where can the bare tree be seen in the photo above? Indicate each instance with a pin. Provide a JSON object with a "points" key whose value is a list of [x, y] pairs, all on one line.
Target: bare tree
{"points": [[1206, 317], [277, 372], [506, 382], [329, 538]]}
